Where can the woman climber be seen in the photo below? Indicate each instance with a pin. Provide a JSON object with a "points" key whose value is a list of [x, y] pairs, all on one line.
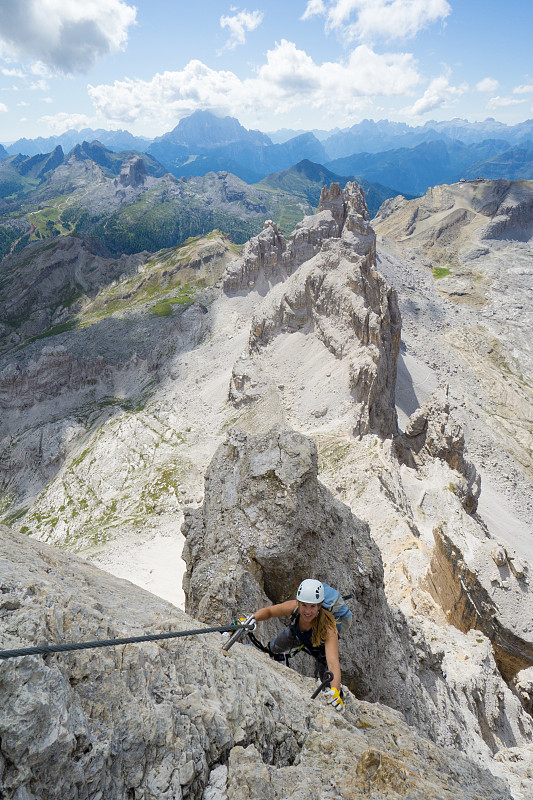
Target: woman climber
{"points": [[314, 627]]}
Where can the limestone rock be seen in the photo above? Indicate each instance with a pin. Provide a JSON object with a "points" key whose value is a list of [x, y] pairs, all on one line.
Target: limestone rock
{"points": [[341, 202], [341, 304], [266, 258], [266, 523], [307, 239], [464, 592], [522, 684], [133, 172], [21, 388], [262, 258], [170, 720], [389, 207], [431, 432], [499, 555]]}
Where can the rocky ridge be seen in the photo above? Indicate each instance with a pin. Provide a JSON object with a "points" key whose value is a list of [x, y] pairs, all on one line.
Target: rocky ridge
{"points": [[339, 304]]}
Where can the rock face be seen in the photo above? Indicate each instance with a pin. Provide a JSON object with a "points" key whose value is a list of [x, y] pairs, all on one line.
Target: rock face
{"points": [[284, 525], [469, 604], [165, 721], [133, 173], [21, 388], [267, 522], [431, 433], [43, 287], [262, 257], [333, 297]]}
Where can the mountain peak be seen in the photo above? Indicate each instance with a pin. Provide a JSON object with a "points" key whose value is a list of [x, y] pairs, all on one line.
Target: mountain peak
{"points": [[205, 129]]}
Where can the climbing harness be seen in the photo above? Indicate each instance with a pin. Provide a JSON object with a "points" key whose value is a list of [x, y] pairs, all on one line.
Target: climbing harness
{"points": [[248, 626], [63, 648]]}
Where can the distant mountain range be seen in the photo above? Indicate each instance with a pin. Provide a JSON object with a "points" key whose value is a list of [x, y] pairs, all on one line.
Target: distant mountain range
{"points": [[298, 166], [113, 140], [307, 179], [203, 131], [393, 154], [415, 169]]}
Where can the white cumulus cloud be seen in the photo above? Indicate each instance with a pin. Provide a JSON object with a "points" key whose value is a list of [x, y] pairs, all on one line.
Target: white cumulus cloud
{"points": [[39, 86], [371, 19], [292, 75], [438, 93], [523, 89], [288, 79], [3, 107], [503, 102], [168, 96], [313, 8], [487, 85], [65, 35], [13, 73], [239, 25], [59, 123]]}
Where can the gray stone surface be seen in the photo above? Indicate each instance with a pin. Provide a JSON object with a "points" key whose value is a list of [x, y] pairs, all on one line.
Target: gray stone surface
{"points": [[336, 299], [165, 721]]}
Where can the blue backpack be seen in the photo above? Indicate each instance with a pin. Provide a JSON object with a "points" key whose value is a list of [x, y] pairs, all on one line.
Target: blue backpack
{"points": [[334, 603]]}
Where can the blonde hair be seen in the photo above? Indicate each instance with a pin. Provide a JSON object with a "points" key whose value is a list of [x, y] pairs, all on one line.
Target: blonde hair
{"points": [[321, 625]]}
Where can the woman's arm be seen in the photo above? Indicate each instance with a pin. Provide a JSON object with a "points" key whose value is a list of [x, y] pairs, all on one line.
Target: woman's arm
{"points": [[331, 646], [278, 610]]}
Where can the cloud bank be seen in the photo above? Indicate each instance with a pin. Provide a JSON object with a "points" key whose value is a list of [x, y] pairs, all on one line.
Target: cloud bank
{"points": [[367, 20], [288, 79], [67, 36]]}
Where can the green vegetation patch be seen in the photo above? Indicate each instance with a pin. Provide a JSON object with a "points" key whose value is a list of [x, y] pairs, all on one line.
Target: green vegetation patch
{"points": [[65, 326], [48, 223], [164, 307], [440, 272]]}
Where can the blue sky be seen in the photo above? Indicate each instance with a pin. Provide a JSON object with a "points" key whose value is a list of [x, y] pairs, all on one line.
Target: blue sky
{"points": [[298, 63]]}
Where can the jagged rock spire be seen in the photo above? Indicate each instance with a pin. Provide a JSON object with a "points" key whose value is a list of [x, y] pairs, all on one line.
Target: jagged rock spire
{"points": [[343, 202]]}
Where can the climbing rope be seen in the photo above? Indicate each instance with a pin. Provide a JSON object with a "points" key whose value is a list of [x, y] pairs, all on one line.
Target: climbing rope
{"points": [[154, 637]]}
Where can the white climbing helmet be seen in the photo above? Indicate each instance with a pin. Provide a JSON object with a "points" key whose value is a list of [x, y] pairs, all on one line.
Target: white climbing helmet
{"points": [[310, 591]]}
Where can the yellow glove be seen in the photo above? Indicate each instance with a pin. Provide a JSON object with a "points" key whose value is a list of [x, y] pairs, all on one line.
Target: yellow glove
{"points": [[335, 699]]}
